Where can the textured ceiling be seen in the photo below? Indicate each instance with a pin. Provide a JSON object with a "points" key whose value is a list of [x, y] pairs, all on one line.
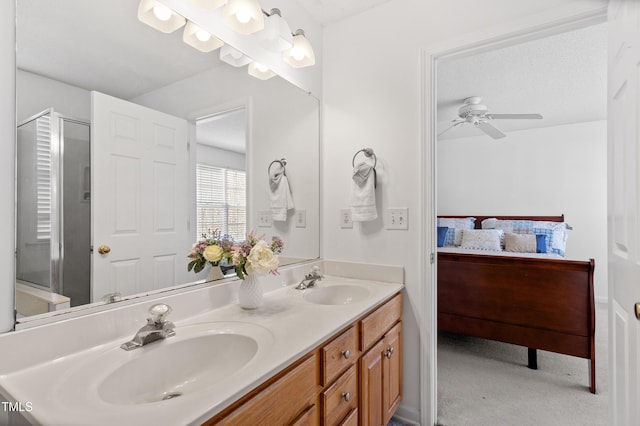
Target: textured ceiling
{"points": [[225, 131], [563, 77], [329, 11]]}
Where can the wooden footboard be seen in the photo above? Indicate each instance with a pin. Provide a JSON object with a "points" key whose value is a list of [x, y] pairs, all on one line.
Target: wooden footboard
{"points": [[537, 303]]}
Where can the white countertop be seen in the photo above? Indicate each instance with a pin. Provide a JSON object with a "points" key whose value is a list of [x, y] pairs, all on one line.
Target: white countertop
{"points": [[292, 327]]}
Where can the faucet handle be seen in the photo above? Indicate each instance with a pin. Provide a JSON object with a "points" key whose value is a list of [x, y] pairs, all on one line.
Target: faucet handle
{"points": [[159, 312]]}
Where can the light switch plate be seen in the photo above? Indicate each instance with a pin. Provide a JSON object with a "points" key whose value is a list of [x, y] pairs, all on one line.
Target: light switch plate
{"points": [[398, 218], [301, 218], [264, 219], [345, 218]]}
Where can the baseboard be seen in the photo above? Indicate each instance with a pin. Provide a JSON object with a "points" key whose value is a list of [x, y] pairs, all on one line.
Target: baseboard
{"points": [[407, 415]]}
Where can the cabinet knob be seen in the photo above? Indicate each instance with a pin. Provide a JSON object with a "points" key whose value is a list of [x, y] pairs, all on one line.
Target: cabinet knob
{"points": [[389, 352], [346, 396], [346, 354]]}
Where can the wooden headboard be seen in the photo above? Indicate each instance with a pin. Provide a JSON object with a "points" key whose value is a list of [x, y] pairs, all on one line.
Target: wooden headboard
{"points": [[479, 219]]}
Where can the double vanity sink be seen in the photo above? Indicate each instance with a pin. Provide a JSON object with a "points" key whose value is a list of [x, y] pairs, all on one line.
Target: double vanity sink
{"points": [[214, 358]]}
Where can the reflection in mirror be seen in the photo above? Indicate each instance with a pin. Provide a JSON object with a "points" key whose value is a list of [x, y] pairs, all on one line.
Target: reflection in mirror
{"points": [[121, 57]]}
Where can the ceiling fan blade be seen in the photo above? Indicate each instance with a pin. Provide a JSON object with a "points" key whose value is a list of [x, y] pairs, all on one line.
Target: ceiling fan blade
{"points": [[455, 123], [514, 116], [490, 130]]}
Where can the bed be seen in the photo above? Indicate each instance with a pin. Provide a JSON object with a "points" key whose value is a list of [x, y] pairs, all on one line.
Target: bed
{"points": [[538, 303]]}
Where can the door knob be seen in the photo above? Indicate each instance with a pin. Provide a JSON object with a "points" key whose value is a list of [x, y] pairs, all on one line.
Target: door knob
{"points": [[637, 310], [104, 249]]}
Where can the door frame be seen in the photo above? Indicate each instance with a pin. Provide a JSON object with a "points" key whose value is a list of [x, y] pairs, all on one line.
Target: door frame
{"points": [[516, 32]]}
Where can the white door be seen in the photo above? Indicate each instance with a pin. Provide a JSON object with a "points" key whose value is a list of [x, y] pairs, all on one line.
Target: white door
{"points": [[140, 197], [624, 210]]}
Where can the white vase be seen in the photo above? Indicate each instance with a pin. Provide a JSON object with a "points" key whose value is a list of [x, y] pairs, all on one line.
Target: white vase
{"points": [[250, 292], [215, 273]]}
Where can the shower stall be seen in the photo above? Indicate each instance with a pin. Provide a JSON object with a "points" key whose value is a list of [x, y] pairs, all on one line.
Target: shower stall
{"points": [[53, 207]]}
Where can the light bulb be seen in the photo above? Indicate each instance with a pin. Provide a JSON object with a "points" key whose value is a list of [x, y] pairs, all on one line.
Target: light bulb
{"points": [[261, 67], [162, 12], [298, 54], [203, 35], [243, 16]]}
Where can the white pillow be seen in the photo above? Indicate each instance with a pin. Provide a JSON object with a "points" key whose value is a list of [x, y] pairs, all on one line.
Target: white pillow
{"points": [[482, 239]]}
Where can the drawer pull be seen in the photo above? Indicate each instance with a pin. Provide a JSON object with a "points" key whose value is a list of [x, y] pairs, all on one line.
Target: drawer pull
{"points": [[389, 352], [346, 354], [346, 396]]}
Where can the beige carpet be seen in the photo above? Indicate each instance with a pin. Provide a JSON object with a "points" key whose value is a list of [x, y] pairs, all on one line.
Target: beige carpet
{"points": [[481, 382]]}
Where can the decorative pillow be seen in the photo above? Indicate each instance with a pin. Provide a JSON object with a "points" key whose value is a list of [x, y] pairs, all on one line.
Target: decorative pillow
{"points": [[541, 243], [442, 234], [455, 225], [481, 239], [556, 232], [520, 243]]}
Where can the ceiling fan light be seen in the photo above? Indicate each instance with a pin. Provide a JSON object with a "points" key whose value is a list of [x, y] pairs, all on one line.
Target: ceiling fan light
{"points": [[159, 16], [260, 71], [200, 39], [301, 53], [243, 16], [276, 35], [233, 56], [208, 4]]}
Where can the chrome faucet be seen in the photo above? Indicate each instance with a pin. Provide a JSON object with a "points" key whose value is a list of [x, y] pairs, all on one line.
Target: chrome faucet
{"points": [[156, 328], [310, 279]]}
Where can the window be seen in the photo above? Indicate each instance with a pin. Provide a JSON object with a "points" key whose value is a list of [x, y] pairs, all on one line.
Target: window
{"points": [[221, 201], [43, 178]]}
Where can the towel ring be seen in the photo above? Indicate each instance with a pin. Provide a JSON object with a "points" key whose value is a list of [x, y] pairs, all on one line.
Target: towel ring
{"points": [[368, 152], [282, 162]]}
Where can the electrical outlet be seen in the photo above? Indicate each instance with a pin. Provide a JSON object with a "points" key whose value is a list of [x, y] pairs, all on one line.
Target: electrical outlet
{"points": [[397, 218], [301, 218], [345, 218], [264, 219]]}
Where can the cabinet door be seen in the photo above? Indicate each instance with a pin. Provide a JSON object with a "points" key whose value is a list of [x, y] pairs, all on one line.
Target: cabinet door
{"points": [[392, 371], [371, 384]]}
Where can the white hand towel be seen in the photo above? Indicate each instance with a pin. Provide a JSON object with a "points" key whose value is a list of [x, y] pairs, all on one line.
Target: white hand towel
{"points": [[363, 195], [279, 194]]}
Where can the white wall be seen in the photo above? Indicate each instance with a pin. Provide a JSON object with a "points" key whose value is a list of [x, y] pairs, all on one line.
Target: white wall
{"points": [[546, 171], [7, 162], [372, 97], [220, 157]]}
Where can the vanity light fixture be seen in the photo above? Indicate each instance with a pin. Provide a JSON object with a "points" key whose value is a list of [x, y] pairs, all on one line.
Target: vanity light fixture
{"points": [[301, 54], [200, 39], [260, 71], [243, 16], [208, 4], [159, 16], [233, 56], [276, 35]]}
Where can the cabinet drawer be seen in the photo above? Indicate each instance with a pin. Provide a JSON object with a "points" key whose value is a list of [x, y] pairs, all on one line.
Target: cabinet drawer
{"points": [[340, 398], [339, 354], [308, 418], [351, 419], [281, 402], [376, 324]]}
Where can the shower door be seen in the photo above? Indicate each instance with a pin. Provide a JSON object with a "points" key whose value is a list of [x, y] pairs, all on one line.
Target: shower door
{"points": [[53, 205]]}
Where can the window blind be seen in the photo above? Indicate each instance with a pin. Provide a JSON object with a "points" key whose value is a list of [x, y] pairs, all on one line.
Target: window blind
{"points": [[221, 201], [43, 178]]}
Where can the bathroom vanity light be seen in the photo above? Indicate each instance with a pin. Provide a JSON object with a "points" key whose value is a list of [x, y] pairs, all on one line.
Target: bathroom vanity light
{"points": [[243, 16], [260, 71], [233, 56], [301, 54], [208, 4], [276, 35], [200, 39], [159, 16]]}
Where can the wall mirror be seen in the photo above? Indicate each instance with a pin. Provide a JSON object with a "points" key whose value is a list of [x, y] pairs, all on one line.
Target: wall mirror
{"points": [[74, 54]]}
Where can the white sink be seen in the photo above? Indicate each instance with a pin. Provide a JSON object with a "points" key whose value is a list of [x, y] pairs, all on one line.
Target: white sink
{"points": [[337, 294], [197, 358]]}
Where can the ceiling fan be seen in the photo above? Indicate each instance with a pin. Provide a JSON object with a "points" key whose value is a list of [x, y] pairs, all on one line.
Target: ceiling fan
{"points": [[473, 112]]}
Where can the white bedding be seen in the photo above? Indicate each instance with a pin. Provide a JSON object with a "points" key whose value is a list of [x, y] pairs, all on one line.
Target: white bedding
{"points": [[499, 253]]}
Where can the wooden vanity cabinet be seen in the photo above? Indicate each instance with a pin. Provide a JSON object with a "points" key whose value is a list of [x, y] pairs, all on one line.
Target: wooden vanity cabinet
{"points": [[334, 385]]}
